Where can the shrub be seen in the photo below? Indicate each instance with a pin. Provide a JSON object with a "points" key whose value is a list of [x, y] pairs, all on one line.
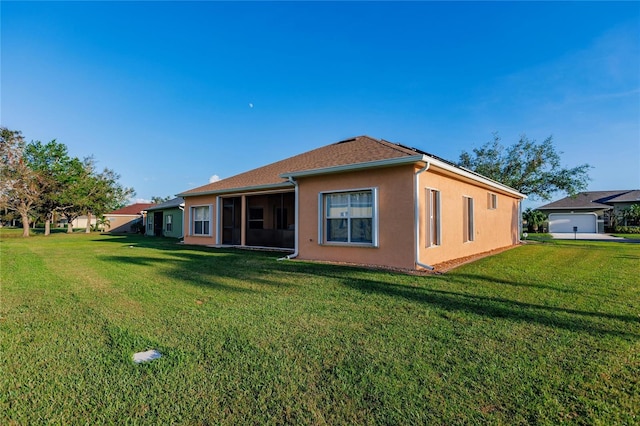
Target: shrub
{"points": [[626, 229]]}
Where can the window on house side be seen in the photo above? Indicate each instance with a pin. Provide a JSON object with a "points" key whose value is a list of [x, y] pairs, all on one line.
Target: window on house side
{"points": [[200, 219], [492, 201], [468, 219], [349, 217], [168, 222], [433, 218]]}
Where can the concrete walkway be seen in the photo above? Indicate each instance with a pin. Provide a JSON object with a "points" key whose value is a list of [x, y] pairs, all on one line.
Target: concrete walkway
{"points": [[590, 237]]}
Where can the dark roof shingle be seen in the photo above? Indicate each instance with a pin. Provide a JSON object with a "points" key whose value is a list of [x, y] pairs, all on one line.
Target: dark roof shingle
{"points": [[132, 209], [361, 149], [593, 200]]}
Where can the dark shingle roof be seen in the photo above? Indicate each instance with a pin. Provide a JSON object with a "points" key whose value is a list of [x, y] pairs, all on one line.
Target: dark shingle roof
{"points": [[132, 209], [361, 149], [171, 204], [628, 197], [593, 200]]}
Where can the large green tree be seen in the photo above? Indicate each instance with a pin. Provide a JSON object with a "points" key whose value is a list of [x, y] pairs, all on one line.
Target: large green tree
{"points": [[528, 166], [52, 162], [92, 193], [21, 187], [39, 179]]}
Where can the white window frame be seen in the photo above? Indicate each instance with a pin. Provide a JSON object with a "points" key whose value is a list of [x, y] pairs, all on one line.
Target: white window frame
{"points": [[192, 220], [322, 228], [168, 223], [468, 219], [434, 218]]}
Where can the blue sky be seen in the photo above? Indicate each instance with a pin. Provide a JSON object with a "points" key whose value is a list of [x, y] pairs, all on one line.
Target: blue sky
{"points": [[169, 94]]}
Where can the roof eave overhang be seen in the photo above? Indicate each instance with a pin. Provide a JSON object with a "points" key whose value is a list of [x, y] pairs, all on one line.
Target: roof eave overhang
{"points": [[474, 177], [266, 187], [601, 207], [413, 159], [398, 161]]}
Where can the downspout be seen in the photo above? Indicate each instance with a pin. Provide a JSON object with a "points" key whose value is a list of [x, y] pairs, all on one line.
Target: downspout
{"points": [[182, 224], [295, 216], [416, 219]]}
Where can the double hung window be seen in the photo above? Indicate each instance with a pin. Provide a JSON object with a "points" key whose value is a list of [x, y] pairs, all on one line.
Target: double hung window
{"points": [[200, 220], [168, 223], [350, 217]]}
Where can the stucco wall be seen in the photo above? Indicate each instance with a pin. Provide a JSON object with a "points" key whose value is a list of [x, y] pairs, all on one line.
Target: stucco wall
{"points": [[493, 228], [395, 188], [121, 223], [203, 200], [395, 209]]}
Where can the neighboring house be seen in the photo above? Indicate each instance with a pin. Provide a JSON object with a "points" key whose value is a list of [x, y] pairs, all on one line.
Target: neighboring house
{"points": [[589, 211], [77, 223], [165, 219], [361, 200], [124, 220]]}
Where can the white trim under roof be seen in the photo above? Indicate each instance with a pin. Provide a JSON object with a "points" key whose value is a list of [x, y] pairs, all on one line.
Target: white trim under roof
{"points": [[357, 166], [407, 160], [243, 189]]}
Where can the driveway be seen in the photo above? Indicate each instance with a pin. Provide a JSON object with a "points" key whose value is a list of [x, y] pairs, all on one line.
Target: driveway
{"points": [[591, 237]]}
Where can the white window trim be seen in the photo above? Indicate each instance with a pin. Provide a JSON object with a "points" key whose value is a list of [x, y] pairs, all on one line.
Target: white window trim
{"points": [[438, 214], [192, 224], [322, 238]]}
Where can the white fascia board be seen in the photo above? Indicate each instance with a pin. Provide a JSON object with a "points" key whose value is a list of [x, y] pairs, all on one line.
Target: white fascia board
{"points": [[239, 190], [407, 160], [474, 176], [357, 166]]}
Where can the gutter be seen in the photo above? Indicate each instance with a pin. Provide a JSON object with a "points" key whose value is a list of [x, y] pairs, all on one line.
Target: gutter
{"points": [[181, 207], [256, 188], [356, 166], [416, 219], [296, 218]]}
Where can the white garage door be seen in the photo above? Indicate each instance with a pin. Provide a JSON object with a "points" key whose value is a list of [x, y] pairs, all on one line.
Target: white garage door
{"points": [[564, 222]]}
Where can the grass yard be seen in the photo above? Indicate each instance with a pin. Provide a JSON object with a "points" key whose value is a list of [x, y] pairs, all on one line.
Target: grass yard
{"points": [[546, 333]]}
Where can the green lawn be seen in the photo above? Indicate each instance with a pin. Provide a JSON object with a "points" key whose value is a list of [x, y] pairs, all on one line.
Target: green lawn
{"points": [[545, 333], [628, 236]]}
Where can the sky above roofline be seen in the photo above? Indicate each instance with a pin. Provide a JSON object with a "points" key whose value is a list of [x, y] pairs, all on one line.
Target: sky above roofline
{"points": [[173, 94]]}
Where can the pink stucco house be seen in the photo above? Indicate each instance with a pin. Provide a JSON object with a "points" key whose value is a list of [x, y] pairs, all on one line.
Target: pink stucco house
{"points": [[360, 200]]}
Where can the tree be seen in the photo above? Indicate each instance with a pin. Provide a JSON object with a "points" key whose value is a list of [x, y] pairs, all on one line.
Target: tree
{"points": [[157, 200], [53, 163], [105, 193], [92, 193], [20, 185], [529, 167], [631, 215], [534, 219]]}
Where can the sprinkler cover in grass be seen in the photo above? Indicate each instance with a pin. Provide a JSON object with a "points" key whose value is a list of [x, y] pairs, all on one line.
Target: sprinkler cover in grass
{"points": [[146, 356]]}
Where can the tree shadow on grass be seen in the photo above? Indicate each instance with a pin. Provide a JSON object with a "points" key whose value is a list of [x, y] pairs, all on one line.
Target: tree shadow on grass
{"points": [[596, 323], [198, 265]]}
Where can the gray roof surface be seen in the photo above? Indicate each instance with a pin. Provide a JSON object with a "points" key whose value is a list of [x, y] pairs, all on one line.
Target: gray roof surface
{"points": [[171, 204], [594, 200]]}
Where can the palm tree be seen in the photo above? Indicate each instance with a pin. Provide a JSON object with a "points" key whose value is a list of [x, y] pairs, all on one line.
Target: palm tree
{"points": [[534, 219], [103, 223]]}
